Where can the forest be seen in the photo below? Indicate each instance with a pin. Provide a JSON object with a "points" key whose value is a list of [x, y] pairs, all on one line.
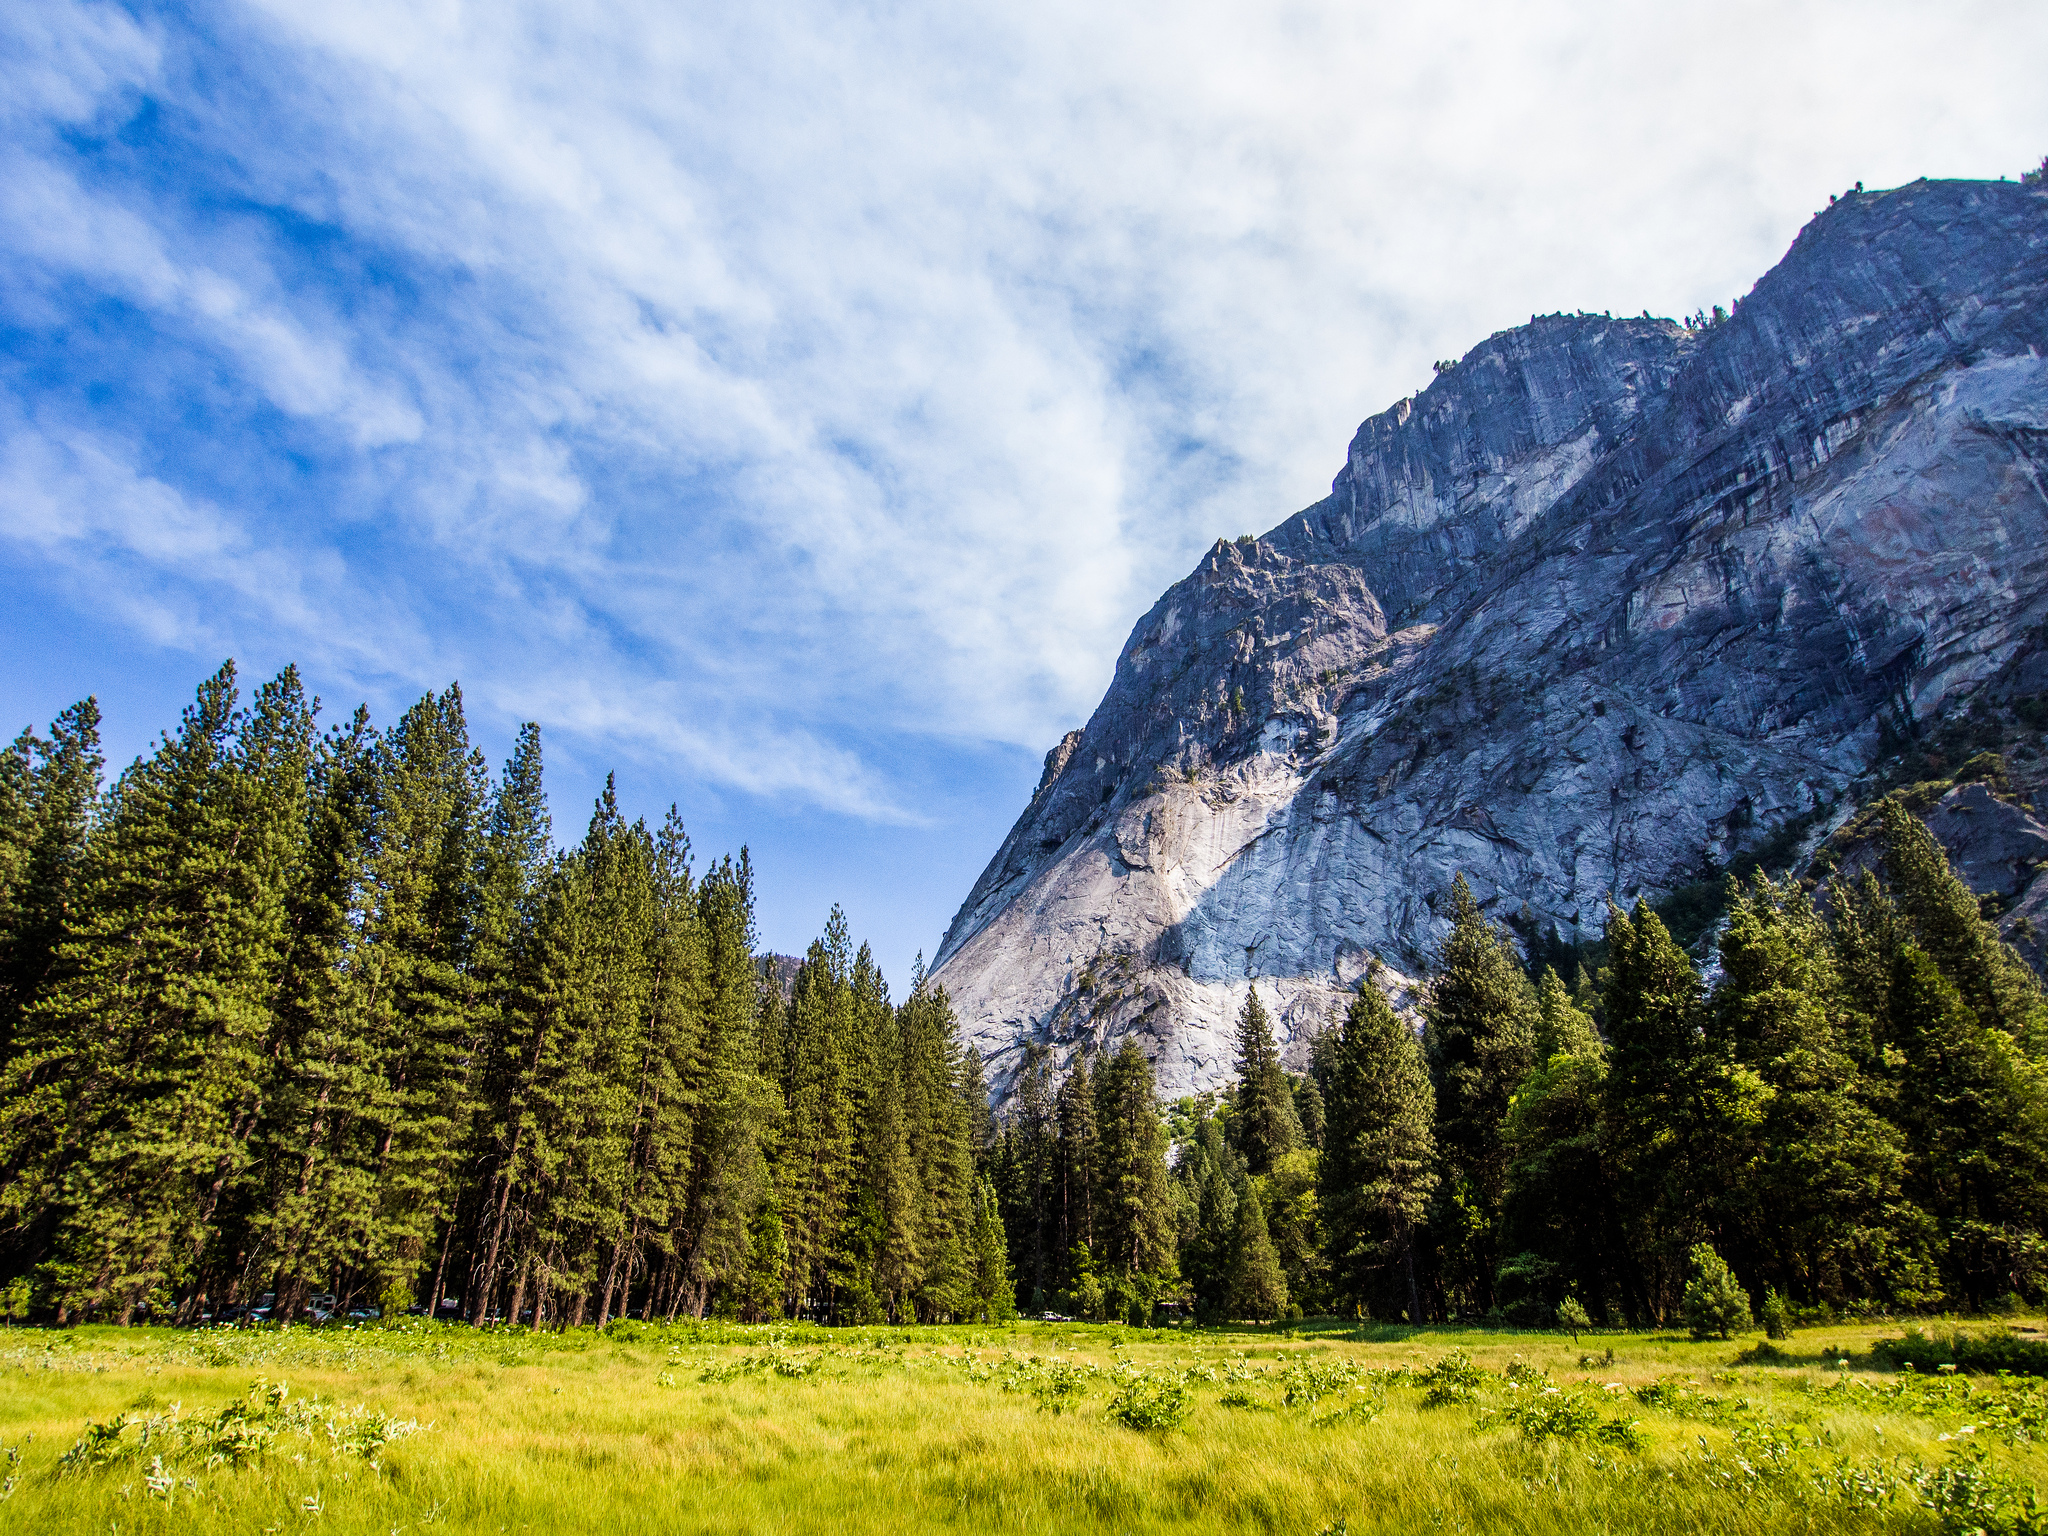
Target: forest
{"points": [[307, 1019], [323, 1019]]}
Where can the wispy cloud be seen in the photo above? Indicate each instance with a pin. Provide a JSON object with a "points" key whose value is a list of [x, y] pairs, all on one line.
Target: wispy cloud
{"points": [[771, 390]]}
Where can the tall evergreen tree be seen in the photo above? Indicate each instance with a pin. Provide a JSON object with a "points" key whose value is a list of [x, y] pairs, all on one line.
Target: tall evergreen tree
{"points": [[130, 1104], [47, 793], [1076, 1174], [1479, 1038], [1379, 1163], [1821, 1215], [1975, 1111], [737, 1108], [1257, 1288], [1949, 925], [1133, 1209], [815, 1170], [1263, 1119]]}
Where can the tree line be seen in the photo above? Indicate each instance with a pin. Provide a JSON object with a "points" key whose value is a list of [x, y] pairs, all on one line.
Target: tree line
{"points": [[291, 1013], [299, 1013], [1854, 1113]]}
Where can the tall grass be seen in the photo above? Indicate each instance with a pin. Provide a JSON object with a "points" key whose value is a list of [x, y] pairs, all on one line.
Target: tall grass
{"points": [[1045, 1428]]}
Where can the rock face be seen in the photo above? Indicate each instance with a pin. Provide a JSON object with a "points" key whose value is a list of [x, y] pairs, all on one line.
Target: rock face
{"points": [[1608, 600]]}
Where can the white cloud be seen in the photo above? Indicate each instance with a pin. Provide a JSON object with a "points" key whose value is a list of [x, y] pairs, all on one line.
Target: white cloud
{"points": [[796, 372]]}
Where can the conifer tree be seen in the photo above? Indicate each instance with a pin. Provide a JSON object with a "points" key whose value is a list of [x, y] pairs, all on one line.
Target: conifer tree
{"points": [[1562, 1027], [1949, 925], [1308, 1111], [1821, 1212], [1257, 1288], [47, 794], [1263, 1121], [1076, 1173], [815, 1167], [409, 974], [1025, 1183], [313, 1190], [939, 1102], [981, 1120], [1209, 1173], [131, 1101], [724, 1233], [1975, 1111], [1480, 1041], [1378, 1165], [1133, 1207], [991, 1297]]}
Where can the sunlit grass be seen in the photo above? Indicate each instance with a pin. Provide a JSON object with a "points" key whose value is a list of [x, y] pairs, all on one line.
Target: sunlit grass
{"points": [[779, 1429]]}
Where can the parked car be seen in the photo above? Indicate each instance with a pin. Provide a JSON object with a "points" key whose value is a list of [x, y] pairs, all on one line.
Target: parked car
{"points": [[364, 1314]]}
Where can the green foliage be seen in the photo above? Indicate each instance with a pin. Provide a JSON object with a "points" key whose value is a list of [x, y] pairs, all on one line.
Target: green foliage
{"points": [[1263, 1122], [1775, 1316], [1571, 1316], [327, 1024], [1715, 1304], [1257, 1288], [1151, 1402], [1377, 1169], [1480, 1034], [1986, 1353]]}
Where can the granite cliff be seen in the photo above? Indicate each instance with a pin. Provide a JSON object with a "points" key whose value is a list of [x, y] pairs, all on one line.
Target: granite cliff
{"points": [[1610, 604]]}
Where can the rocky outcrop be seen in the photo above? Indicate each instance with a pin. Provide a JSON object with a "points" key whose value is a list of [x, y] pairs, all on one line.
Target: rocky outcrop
{"points": [[1608, 602]]}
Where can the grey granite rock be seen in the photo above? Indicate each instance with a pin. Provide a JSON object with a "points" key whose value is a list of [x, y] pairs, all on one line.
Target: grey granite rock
{"points": [[1610, 597]]}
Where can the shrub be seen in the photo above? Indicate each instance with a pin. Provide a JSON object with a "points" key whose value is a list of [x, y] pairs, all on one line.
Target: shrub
{"points": [[1453, 1379], [1554, 1414], [1775, 1316], [1145, 1402], [1977, 1354], [1714, 1304], [1571, 1316]]}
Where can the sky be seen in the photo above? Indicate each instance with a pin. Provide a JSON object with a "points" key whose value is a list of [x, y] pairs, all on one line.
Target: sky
{"points": [[792, 407]]}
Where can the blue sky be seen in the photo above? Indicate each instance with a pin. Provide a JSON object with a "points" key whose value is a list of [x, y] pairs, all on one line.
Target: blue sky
{"points": [[793, 407]]}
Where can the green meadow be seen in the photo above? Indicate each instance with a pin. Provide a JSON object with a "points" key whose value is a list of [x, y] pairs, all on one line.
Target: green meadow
{"points": [[1317, 1427]]}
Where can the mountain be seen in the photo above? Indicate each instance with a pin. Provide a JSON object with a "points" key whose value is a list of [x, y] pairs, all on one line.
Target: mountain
{"points": [[1611, 604]]}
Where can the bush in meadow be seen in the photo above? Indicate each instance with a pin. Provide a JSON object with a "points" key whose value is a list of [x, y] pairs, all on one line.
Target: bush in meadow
{"points": [[1714, 1304]]}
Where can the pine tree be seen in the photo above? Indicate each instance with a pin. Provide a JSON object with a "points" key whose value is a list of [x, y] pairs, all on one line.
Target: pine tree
{"points": [[1680, 1117], [517, 870], [312, 1200], [814, 1170], [1308, 1111], [1133, 1206], [1024, 1179], [724, 1233], [1378, 1166], [1975, 1111], [1076, 1175], [47, 794], [1264, 1121], [135, 1090], [1209, 1173], [1560, 1201], [1821, 1212], [1562, 1027], [1480, 1042], [409, 978], [991, 1297], [1257, 1288], [940, 1099], [1949, 925], [981, 1120]]}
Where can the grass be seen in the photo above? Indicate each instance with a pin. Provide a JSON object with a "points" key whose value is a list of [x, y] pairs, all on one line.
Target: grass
{"points": [[1324, 1428]]}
